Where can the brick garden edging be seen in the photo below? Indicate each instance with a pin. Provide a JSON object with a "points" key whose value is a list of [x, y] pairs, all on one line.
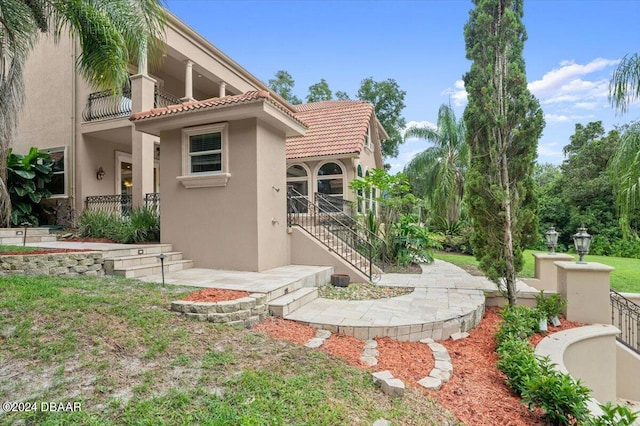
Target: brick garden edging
{"points": [[89, 263], [245, 312]]}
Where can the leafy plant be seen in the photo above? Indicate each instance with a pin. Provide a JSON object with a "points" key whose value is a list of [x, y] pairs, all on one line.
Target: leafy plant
{"points": [[563, 398], [550, 306], [140, 226], [518, 362], [519, 322], [27, 176], [613, 415]]}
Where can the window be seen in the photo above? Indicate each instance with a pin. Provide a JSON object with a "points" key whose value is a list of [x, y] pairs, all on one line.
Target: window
{"points": [[205, 156], [360, 192], [331, 185], [298, 180], [57, 184], [367, 137]]}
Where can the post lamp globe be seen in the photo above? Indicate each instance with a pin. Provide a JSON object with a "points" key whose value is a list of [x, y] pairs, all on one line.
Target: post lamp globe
{"points": [[582, 241], [552, 239]]}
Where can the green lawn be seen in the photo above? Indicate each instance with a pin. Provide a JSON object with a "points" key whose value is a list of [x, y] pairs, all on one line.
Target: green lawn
{"points": [[625, 278], [17, 249], [113, 346]]}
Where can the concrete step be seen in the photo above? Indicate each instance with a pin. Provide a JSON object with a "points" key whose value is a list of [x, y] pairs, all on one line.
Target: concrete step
{"points": [[141, 249], [19, 232], [290, 302], [124, 262], [153, 269]]}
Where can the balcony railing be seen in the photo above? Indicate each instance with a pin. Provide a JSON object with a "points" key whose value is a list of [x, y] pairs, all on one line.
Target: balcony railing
{"points": [[625, 315], [107, 105], [121, 205]]}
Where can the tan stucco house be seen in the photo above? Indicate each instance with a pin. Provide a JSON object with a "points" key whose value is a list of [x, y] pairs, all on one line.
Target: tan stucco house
{"points": [[207, 135]]}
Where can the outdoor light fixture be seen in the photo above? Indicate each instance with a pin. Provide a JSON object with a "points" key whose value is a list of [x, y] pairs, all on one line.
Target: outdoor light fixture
{"points": [[582, 240], [552, 239], [100, 174], [162, 256]]}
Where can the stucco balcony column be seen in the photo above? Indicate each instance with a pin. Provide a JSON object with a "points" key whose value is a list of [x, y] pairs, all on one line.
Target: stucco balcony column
{"points": [[585, 286], [142, 149], [222, 92], [546, 273], [188, 81]]}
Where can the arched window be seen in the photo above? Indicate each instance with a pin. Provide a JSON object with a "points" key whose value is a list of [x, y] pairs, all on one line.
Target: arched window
{"points": [[331, 184], [298, 179]]}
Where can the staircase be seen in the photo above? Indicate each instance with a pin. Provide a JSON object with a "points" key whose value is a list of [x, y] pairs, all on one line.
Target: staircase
{"points": [[328, 223], [141, 261], [19, 236]]}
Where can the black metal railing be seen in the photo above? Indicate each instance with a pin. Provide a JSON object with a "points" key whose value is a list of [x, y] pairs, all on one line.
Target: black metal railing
{"points": [[152, 202], [163, 99], [339, 232], [625, 315], [114, 204], [106, 104]]}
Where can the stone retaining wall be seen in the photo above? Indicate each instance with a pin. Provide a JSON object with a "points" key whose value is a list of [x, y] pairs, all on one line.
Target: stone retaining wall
{"points": [[245, 312], [56, 264]]}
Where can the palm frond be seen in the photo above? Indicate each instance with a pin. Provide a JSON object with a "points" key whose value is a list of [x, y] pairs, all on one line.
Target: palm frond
{"points": [[624, 86]]}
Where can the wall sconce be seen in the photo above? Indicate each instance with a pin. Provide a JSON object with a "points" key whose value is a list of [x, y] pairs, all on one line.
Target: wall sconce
{"points": [[552, 239], [582, 241], [100, 174]]}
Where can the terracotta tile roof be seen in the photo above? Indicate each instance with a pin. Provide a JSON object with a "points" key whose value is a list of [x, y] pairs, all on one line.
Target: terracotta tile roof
{"points": [[333, 127], [213, 103]]}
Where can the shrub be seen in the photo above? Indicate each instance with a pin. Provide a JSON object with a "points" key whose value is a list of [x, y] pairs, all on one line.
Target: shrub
{"points": [[519, 322], [550, 306], [562, 398], [518, 362], [27, 176], [613, 415], [141, 225]]}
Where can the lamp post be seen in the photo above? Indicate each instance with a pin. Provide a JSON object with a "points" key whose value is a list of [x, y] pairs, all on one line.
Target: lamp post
{"points": [[161, 256], [582, 241], [552, 239]]}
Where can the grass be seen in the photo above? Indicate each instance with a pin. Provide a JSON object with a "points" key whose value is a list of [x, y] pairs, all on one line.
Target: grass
{"points": [[625, 277], [112, 345], [17, 249]]}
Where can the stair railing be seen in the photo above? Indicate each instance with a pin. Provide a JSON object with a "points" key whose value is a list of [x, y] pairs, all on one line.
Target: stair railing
{"points": [[332, 230], [625, 314]]}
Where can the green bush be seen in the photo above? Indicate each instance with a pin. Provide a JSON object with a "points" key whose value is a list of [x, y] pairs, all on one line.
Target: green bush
{"points": [[550, 306], [27, 176], [142, 225], [563, 399], [516, 359], [613, 415], [519, 322]]}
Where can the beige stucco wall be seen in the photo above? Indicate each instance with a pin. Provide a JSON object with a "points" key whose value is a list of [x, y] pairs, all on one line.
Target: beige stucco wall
{"points": [[229, 227], [586, 289], [628, 385]]}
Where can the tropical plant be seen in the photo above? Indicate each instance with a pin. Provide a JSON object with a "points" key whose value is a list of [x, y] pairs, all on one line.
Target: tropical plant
{"points": [[625, 82], [550, 306], [141, 225], [503, 123], [111, 35], [27, 176], [625, 167], [437, 173]]}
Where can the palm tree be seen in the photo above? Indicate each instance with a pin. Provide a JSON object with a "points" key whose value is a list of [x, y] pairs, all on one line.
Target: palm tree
{"points": [[625, 83], [625, 164], [111, 34], [437, 173]]}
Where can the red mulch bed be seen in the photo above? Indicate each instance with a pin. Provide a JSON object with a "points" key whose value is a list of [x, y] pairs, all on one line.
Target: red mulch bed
{"points": [[42, 251], [477, 393], [215, 295]]}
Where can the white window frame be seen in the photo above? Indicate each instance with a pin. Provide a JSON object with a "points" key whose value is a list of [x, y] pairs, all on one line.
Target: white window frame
{"points": [[342, 176], [208, 179], [64, 172], [367, 137]]}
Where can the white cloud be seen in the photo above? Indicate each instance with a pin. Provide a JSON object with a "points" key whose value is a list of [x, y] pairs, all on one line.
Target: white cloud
{"points": [[457, 94], [562, 118], [566, 84], [419, 124], [550, 152]]}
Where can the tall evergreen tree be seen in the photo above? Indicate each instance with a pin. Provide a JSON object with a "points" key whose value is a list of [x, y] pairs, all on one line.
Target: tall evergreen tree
{"points": [[503, 121]]}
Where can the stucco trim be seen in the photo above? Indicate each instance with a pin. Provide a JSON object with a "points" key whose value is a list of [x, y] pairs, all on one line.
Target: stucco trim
{"points": [[204, 181]]}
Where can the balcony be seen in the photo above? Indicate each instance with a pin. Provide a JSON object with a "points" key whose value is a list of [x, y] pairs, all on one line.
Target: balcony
{"points": [[107, 105]]}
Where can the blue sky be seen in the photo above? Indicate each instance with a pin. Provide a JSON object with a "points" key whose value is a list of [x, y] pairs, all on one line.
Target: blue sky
{"points": [[572, 48]]}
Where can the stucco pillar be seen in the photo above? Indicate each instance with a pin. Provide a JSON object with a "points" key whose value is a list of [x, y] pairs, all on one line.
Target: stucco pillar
{"points": [[586, 288], [188, 81], [223, 90], [142, 99], [546, 272]]}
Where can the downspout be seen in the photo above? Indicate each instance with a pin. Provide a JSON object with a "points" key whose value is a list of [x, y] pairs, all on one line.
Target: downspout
{"points": [[72, 146]]}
